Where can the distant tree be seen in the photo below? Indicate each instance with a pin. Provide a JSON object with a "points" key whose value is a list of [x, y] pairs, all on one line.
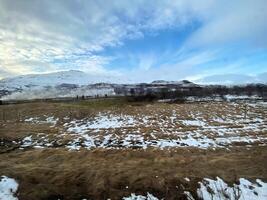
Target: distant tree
{"points": [[163, 93], [132, 91], [142, 90]]}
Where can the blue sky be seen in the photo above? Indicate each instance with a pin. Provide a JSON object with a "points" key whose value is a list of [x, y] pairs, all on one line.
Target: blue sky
{"points": [[142, 40]]}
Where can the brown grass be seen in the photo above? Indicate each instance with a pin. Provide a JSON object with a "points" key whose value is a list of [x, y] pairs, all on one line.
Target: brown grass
{"points": [[101, 173]]}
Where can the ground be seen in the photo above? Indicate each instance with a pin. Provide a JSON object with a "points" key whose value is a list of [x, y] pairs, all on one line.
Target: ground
{"points": [[100, 149]]}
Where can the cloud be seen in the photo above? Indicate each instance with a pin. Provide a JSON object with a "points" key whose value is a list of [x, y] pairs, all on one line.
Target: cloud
{"points": [[180, 67], [46, 36], [233, 22], [146, 61], [232, 79], [5, 73]]}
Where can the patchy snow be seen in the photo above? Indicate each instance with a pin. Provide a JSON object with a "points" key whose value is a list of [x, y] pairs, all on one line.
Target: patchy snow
{"points": [[235, 97], [264, 104], [199, 99], [140, 197], [187, 179], [8, 188], [124, 131], [74, 145], [193, 122], [31, 119], [188, 195], [165, 100], [27, 141], [218, 189], [101, 121], [38, 141], [51, 120], [158, 130], [42, 120], [112, 122]]}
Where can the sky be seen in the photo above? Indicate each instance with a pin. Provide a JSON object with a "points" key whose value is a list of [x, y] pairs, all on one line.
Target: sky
{"points": [[143, 40]]}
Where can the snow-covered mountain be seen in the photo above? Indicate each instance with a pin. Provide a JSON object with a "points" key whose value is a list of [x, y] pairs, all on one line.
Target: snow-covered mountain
{"points": [[183, 83], [58, 84], [53, 79], [74, 83]]}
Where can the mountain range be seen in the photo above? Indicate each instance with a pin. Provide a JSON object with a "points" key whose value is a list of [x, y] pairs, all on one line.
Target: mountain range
{"points": [[74, 82], [57, 78]]}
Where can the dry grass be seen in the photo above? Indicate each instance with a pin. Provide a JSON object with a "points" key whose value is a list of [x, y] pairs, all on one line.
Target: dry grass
{"points": [[101, 174], [98, 174]]}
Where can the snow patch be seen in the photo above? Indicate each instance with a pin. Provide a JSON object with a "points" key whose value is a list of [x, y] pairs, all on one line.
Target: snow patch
{"points": [[193, 122], [235, 97], [101, 121], [39, 120], [140, 197], [27, 141], [218, 189], [8, 188]]}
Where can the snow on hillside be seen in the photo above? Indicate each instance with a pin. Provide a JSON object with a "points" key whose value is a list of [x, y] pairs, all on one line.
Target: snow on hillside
{"points": [[59, 84], [183, 83], [54, 79], [61, 92], [67, 84]]}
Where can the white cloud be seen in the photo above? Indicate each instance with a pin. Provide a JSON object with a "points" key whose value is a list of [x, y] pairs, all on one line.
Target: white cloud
{"points": [[146, 61], [232, 79], [43, 36], [36, 34], [184, 65], [233, 21]]}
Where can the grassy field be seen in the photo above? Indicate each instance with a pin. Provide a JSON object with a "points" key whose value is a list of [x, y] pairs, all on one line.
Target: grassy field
{"points": [[110, 149]]}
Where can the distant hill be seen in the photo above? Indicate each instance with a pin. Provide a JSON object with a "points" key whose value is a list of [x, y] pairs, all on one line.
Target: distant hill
{"points": [[75, 83], [54, 79], [69, 84], [183, 83]]}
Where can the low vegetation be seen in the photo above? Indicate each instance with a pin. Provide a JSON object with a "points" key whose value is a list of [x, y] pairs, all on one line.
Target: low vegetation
{"points": [[113, 148]]}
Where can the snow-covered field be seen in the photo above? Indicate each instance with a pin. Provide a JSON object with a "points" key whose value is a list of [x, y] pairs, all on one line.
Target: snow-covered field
{"points": [[138, 150], [201, 129]]}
